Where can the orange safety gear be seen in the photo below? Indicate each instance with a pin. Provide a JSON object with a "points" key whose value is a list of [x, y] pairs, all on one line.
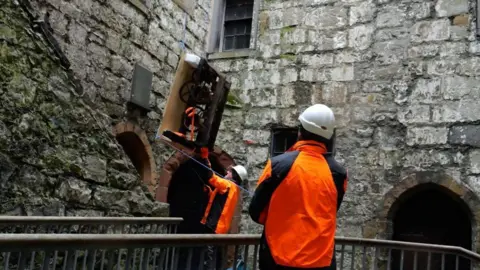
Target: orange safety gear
{"points": [[297, 199], [221, 206]]}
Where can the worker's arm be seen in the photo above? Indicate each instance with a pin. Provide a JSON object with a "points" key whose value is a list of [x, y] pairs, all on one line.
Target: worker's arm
{"points": [[265, 187], [340, 178], [274, 173], [219, 183]]}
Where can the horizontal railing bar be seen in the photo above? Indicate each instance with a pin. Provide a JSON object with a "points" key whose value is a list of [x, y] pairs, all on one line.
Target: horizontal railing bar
{"points": [[11, 242], [50, 220], [407, 246]]}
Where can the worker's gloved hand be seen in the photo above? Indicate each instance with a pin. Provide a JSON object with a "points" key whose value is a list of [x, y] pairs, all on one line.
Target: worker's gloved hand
{"points": [[190, 111], [179, 134], [204, 152]]}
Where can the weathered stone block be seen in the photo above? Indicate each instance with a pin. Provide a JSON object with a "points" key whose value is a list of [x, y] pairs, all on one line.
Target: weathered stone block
{"points": [[421, 160], [260, 137], [286, 96], [318, 60], [389, 138], [289, 117], [427, 136], [345, 56], [263, 97], [446, 8], [286, 17], [112, 199], [342, 73], [426, 91], [334, 93], [369, 98], [95, 169], [260, 118], [327, 17], [474, 157], [258, 156], [453, 49], [389, 72], [443, 67], [418, 11], [7, 167], [431, 31], [462, 111], [390, 52], [77, 34], [293, 35], [360, 37], [473, 182], [392, 33], [424, 50], [363, 12], [457, 87], [465, 135], [324, 42], [414, 114], [391, 15], [74, 190]]}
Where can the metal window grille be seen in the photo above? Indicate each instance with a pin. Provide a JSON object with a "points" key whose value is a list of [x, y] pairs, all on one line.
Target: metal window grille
{"points": [[238, 24], [282, 139]]}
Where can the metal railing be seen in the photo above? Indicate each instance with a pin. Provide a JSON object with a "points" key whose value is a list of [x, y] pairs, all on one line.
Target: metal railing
{"points": [[88, 225], [153, 251]]}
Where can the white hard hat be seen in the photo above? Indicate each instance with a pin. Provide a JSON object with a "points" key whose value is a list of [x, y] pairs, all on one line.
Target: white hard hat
{"points": [[241, 171], [318, 119]]}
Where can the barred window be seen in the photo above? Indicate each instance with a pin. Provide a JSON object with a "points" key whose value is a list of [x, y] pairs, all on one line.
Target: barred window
{"points": [[237, 24], [282, 140]]}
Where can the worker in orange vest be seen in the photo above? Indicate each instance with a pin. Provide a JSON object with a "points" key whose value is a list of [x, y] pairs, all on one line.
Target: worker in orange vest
{"points": [[224, 193], [298, 196]]}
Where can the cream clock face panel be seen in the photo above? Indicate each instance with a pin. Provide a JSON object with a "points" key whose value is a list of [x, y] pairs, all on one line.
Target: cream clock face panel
{"points": [[187, 5]]}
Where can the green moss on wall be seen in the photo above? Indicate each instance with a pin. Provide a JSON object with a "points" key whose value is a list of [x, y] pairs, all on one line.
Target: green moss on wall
{"points": [[234, 101]]}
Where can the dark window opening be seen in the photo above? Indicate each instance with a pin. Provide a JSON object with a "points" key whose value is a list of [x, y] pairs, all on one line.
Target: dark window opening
{"points": [[431, 215], [282, 140], [238, 24]]}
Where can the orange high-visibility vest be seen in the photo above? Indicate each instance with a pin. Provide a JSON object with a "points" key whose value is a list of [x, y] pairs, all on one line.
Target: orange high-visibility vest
{"points": [[221, 206], [296, 200]]}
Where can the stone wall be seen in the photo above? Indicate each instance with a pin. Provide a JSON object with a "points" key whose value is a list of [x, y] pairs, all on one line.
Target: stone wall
{"points": [[401, 76], [57, 152], [105, 39]]}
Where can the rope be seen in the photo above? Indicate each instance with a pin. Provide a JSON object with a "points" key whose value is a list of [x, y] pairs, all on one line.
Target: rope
{"points": [[203, 165]]}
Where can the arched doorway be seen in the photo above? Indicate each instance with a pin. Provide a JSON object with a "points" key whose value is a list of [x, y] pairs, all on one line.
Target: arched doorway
{"points": [[136, 146], [430, 213]]}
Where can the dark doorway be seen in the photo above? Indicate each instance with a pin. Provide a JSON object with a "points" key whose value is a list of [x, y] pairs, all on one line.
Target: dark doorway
{"points": [[431, 214]]}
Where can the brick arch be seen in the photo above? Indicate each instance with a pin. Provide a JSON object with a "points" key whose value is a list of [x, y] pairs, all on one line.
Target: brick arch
{"points": [[382, 225], [172, 164], [135, 143]]}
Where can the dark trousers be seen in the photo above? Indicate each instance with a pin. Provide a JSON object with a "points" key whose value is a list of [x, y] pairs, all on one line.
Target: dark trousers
{"points": [[210, 257], [266, 261], [214, 256]]}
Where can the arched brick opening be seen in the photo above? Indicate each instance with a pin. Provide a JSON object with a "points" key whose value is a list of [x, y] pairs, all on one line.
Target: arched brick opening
{"points": [[383, 224], [220, 162], [135, 143]]}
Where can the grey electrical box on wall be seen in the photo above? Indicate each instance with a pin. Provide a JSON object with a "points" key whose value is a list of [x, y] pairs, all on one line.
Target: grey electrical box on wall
{"points": [[141, 87]]}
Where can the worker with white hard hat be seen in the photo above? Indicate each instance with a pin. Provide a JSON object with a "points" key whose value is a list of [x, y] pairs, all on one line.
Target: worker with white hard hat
{"points": [[224, 193], [298, 196]]}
